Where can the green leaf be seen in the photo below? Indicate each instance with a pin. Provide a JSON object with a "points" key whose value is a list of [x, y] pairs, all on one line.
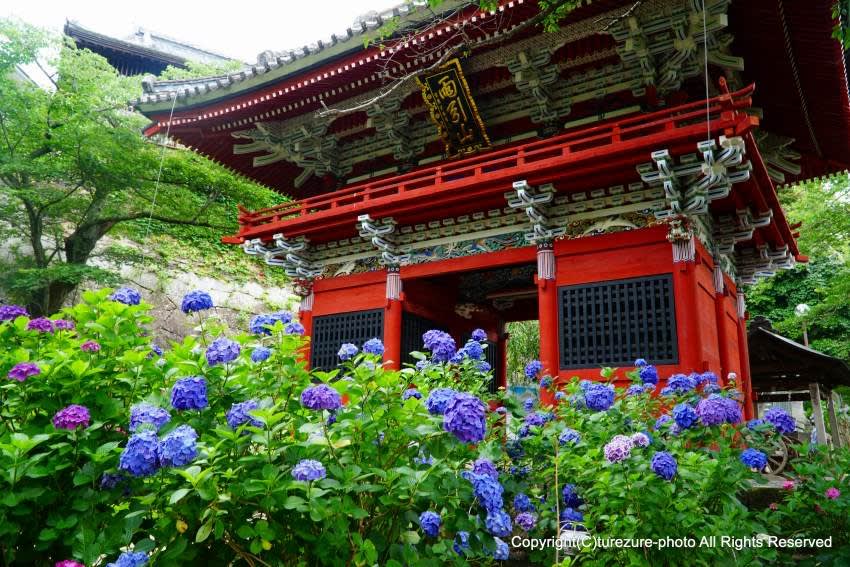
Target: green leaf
{"points": [[178, 495], [204, 532]]}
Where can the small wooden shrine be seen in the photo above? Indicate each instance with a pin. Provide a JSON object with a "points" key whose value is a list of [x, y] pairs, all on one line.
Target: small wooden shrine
{"points": [[614, 179]]}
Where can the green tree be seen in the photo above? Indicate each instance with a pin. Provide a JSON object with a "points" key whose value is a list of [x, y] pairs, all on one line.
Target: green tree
{"points": [[74, 165]]}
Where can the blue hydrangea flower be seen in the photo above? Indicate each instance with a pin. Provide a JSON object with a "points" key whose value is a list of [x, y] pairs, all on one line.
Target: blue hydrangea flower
{"points": [[189, 393], [485, 467], [756, 424], [179, 447], [141, 455], [681, 383], [347, 351], [473, 350], [569, 436], [526, 521], [411, 393], [479, 335], [659, 423], [570, 496], [156, 349], [532, 369], [308, 470], [522, 503], [148, 414], [222, 350], [293, 328], [711, 389], [438, 400], [466, 418], [195, 301], [486, 489], [520, 472], [754, 459], [635, 390], [528, 403], [457, 358], [441, 345], [707, 378], [461, 543], [780, 419], [640, 362], [684, 415], [126, 295], [571, 519], [545, 382], [430, 523], [648, 374], [484, 366], [239, 414], [373, 346], [667, 391], [640, 439], [713, 410], [599, 397], [664, 465], [261, 324], [321, 397], [502, 551], [498, 523], [514, 449], [560, 396], [260, 354], [423, 459], [422, 365], [129, 559]]}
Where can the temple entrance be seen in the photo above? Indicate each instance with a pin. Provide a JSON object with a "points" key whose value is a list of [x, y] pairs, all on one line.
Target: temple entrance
{"points": [[459, 302]]}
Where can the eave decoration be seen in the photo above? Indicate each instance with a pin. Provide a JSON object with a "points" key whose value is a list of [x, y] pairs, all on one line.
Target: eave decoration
{"points": [[449, 100]]}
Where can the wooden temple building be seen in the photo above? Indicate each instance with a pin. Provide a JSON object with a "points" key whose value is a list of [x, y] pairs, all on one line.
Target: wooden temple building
{"points": [[614, 179]]}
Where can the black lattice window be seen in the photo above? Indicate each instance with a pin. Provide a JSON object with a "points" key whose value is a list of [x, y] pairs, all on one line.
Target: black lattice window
{"points": [[613, 323], [330, 331], [412, 329]]}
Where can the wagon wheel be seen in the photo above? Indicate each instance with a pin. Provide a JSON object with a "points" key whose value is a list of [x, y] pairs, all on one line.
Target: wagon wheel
{"points": [[777, 456]]}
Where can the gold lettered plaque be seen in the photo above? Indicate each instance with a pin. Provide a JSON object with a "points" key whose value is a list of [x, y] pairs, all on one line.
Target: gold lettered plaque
{"points": [[452, 109]]}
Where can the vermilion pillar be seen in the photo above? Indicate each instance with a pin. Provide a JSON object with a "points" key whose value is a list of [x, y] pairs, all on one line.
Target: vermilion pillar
{"points": [[744, 382], [685, 291], [720, 321], [392, 319], [547, 305], [304, 288]]}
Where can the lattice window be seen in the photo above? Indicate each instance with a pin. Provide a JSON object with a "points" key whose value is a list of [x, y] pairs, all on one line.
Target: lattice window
{"points": [[330, 331], [412, 329], [613, 323]]}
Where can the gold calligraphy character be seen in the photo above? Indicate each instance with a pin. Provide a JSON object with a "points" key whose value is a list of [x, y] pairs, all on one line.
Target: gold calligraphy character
{"points": [[448, 88], [457, 115]]}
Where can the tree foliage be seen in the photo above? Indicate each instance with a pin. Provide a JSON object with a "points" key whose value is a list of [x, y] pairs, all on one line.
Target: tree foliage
{"points": [[73, 166]]}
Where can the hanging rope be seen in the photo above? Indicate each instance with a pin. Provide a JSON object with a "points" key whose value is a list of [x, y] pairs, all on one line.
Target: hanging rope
{"points": [[159, 173], [705, 53]]}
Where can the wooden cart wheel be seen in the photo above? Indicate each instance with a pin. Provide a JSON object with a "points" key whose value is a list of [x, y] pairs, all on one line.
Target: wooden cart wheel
{"points": [[777, 456]]}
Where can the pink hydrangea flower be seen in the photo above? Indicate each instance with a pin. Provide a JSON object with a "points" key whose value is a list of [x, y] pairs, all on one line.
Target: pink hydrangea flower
{"points": [[72, 417], [833, 493], [90, 346], [774, 506], [788, 485], [69, 563]]}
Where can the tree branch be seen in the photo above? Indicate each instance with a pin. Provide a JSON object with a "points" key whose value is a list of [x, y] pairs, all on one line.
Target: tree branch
{"points": [[136, 216]]}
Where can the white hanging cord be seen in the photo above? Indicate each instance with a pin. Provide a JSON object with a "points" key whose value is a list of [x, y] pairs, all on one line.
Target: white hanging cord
{"points": [[705, 52], [161, 161]]}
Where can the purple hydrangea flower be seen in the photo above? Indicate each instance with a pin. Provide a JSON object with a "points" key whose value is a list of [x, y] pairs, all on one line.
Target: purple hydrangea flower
{"points": [[308, 470], [711, 389], [347, 351], [681, 383], [484, 366], [571, 519], [532, 369], [222, 350], [684, 415], [522, 503], [126, 295], [528, 403], [156, 349], [40, 324], [72, 417], [141, 455], [461, 543], [498, 523], [570, 495], [373, 346], [23, 370], [659, 423], [479, 335], [712, 410], [260, 354], [473, 350], [63, 325], [780, 419], [640, 362], [526, 521], [664, 465], [90, 346], [261, 324], [441, 345], [733, 411], [179, 447], [485, 467], [195, 301], [189, 393], [466, 418], [486, 489], [598, 397], [754, 459], [411, 393], [239, 414], [68, 563], [648, 374], [12, 312], [130, 559], [110, 480], [635, 390], [502, 551], [570, 436], [148, 414], [756, 424], [438, 400], [321, 397], [618, 449], [430, 523], [294, 328], [640, 439]]}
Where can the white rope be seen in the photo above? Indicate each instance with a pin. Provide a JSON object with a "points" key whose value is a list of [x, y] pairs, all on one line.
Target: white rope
{"points": [[705, 52], [159, 173]]}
